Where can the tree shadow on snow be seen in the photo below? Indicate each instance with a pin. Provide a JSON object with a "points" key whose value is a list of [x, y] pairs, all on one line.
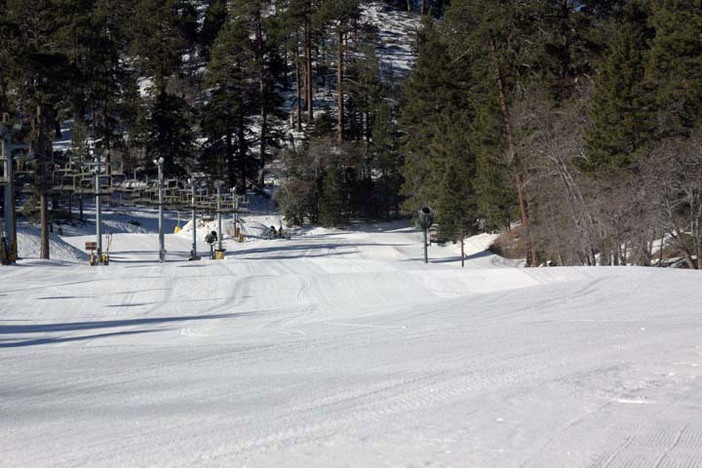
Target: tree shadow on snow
{"points": [[78, 326], [283, 248], [41, 341], [457, 258]]}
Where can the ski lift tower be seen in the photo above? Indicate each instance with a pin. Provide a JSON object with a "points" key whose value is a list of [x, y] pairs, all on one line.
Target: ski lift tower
{"points": [[98, 206], [161, 244], [9, 254], [192, 181], [220, 249]]}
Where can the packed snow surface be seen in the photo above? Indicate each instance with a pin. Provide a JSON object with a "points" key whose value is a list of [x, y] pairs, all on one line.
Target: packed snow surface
{"points": [[342, 348]]}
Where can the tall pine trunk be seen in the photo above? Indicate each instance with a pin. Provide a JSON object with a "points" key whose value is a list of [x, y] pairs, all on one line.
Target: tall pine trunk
{"points": [[298, 93], [340, 88], [229, 160], [308, 71], [263, 108], [42, 149], [241, 153]]}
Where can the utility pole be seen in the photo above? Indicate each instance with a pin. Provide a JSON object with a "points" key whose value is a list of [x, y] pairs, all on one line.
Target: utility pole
{"points": [[235, 197], [161, 243], [98, 208], [193, 251], [43, 145], [219, 215]]}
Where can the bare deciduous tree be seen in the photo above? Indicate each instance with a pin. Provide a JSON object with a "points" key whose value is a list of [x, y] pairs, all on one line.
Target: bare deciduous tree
{"points": [[676, 165], [564, 227]]}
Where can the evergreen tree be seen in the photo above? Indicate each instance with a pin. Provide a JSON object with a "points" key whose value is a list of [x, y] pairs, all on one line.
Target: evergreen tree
{"points": [[170, 135], [40, 72], [495, 192], [266, 66], [498, 37], [215, 18], [93, 36], [621, 124], [384, 149], [455, 208], [9, 31], [231, 75], [333, 208], [563, 45], [298, 20], [365, 95], [674, 69], [341, 16], [161, 32], [435, 99]]}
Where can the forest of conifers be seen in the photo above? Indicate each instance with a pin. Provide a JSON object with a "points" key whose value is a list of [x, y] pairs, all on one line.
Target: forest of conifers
{"points": [[573, 126]]}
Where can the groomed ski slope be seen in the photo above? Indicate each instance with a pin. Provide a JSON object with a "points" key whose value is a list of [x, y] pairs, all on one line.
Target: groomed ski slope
{"points": [[341, 348]]}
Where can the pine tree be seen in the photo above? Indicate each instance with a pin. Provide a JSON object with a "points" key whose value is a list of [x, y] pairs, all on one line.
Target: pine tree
{"points": [[387, 159], [161, 33], [231, 74], [562, 45], [496, 36], [215, 18], [93, 36], [170, 134], [435, 99], [298, 20], [40, 72], [455, 209], [266, 65], [621, 124], [333, 208], [341, 16], [9, 31], [365, 92], [495, 192], [674, 69]]}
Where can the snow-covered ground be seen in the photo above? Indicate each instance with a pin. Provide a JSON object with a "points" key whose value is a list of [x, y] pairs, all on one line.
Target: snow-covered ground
{"points": [[341, 348], [396, 43]]}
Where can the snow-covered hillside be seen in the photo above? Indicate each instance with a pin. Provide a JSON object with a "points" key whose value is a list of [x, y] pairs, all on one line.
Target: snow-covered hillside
{"points": [[342, 348], [396, 43]]}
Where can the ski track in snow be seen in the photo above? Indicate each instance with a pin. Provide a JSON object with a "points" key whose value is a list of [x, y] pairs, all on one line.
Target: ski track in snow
{"points": [[342, 348]]}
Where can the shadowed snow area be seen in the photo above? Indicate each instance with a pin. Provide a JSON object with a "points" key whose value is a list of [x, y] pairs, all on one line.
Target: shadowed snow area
{"points": [[342, 348]]}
